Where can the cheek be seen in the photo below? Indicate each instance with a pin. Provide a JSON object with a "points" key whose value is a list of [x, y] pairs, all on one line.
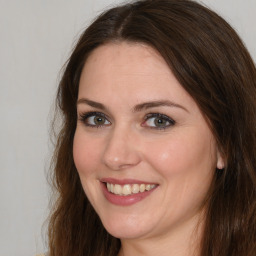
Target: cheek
{"points": [[191, 153], [86, 154], [186, 167]]}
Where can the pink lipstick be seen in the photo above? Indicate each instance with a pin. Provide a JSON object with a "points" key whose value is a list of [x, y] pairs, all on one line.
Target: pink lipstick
{"points": [[126, 192]]}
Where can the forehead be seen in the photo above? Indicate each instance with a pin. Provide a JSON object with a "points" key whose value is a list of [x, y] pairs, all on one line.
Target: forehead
{"points": [[137, 57], [131, 72]]}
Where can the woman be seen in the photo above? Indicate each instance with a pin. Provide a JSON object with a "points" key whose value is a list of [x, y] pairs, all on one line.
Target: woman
{"points": [[156, 155]]}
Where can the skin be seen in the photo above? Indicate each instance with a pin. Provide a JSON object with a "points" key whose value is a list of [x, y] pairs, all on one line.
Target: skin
{"points": [[181, 159]]}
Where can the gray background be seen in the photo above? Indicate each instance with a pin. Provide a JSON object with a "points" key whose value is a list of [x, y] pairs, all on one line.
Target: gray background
{"points": [[36, 37]]}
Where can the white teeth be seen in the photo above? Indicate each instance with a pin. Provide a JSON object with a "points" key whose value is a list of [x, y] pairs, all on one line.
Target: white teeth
{"points": [[135, 188], [142, 187], [112, 188], [117, 189], [128, 189], [147, 187]]}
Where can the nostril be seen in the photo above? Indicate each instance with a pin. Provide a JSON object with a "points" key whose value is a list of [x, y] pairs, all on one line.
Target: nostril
{"points": [[120, 152]]}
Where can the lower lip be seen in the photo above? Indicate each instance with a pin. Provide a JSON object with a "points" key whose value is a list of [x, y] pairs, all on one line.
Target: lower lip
{"points": [[125, 200]]}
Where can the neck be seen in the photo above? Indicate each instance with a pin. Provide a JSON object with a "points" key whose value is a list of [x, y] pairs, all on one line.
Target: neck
{"points": [[183, 240]]}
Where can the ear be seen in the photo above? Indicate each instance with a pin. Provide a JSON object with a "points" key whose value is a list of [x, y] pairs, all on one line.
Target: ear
{"points": [[220, 160]]}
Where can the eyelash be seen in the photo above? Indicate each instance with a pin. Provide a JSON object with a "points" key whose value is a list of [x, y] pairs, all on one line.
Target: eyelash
{"points": [[161, 117], [83, 117]]}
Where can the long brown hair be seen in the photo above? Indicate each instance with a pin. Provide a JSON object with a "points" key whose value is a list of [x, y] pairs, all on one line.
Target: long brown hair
{"points": [[212, 64]]}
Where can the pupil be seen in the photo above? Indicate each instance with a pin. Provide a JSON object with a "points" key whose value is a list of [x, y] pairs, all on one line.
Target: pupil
{"points": [[159, 122], [99, 120]]}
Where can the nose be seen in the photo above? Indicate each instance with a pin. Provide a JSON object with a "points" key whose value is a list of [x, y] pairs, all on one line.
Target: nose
{"points": [[121, 150]]}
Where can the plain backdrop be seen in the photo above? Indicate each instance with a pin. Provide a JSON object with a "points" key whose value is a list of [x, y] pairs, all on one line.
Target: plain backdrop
{"points": [[36, 37]]}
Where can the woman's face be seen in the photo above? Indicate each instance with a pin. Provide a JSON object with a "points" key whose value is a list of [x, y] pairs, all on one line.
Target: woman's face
{"points": [[140, 135]]}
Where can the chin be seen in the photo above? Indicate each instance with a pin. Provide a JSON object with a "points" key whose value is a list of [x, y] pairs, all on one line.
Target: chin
{"points": [[126, 232], [128, 227]]}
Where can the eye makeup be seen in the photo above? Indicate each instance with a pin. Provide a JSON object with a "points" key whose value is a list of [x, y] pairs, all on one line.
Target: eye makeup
{"points": [[156, 121]]}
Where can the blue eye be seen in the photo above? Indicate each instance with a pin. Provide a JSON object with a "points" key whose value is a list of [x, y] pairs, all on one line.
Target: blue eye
{"points": [[158, 121], [94, 119]]}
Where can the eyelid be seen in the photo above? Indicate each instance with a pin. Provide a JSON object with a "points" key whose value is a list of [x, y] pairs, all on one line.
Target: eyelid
{"points": [[159, 115], [91, 113], [85, 115]]}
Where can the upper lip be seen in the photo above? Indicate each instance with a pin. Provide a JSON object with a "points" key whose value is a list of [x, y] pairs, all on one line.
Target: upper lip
{"points": [[125, 181]]}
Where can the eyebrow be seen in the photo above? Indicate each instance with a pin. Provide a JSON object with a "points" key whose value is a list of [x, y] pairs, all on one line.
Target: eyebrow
{"points": [[160, 103], [91, 103], [137, 108]]}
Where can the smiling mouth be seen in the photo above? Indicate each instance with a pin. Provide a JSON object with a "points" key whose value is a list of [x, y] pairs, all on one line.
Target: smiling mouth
{"points": [[128, 189]]}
